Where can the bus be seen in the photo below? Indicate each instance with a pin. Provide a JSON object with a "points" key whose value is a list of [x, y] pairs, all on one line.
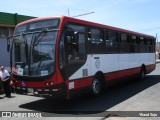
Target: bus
{"points": [[64, 57]]}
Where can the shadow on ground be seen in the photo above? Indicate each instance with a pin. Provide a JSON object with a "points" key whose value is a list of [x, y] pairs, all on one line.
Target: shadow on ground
{"points": [[85, 106]]}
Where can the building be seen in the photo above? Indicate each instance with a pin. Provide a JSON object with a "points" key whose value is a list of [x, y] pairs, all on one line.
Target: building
{"points": [[8, 22]]}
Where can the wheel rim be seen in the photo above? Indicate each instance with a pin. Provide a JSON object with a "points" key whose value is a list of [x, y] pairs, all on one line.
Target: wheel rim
{"points": [[96, 86]]}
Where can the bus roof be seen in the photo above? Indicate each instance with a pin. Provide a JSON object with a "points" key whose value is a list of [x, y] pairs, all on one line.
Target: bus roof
{"points": [[84, 22]]}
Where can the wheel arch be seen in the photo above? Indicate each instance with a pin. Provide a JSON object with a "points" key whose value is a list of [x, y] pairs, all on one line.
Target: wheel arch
{"points": [[100, 75], [143, 66]]}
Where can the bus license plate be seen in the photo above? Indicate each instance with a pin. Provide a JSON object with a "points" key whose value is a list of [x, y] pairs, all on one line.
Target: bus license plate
{"points": [[30, 90]]}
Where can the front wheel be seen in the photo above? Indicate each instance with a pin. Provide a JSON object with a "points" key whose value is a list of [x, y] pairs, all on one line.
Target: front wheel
{"points": [[96, 87]]}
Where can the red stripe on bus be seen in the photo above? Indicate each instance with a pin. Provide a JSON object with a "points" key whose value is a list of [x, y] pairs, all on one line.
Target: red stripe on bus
{"points": [[84, 82]]}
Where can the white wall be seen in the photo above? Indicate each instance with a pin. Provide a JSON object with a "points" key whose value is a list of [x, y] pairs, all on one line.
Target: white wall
{"points": [[4, 55]]}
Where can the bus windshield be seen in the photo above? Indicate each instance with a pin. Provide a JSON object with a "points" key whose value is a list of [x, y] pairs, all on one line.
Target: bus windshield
{"points": [[30, 59]]}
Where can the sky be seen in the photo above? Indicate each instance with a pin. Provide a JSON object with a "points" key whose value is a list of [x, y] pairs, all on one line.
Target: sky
{"points": [[136, 15]]}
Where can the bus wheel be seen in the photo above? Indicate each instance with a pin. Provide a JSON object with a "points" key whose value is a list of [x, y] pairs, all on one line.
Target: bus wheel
{"points": [[96, 87], [142, 73]]}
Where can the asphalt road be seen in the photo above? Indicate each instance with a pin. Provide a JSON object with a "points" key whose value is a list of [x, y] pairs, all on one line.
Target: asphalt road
{"points": [[129, 96]]}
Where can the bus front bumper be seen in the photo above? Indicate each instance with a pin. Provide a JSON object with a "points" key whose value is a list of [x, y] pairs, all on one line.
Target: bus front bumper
{"points": [[57, 91]]}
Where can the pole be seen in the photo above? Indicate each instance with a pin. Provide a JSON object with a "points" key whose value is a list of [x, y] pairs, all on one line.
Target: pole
{"points": [[16, 18], [156, 43], [68, 12], [83, 14], [156, 38]]}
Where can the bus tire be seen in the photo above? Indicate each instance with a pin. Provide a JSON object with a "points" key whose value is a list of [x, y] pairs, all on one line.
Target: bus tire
{"points": [[142, 73], [96, 87]]}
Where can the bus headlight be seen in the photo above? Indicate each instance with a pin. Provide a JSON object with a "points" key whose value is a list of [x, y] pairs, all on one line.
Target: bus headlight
{"points": [[46, 84], [51, 83]]}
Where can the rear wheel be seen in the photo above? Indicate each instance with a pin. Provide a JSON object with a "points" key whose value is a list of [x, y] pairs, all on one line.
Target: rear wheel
{"points": [[142, 73]]}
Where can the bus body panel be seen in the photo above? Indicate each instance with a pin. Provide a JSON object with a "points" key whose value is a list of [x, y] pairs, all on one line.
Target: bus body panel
{"points": [[109, 63]]}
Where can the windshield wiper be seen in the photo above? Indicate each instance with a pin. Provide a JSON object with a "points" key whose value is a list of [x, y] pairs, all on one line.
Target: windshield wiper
{"points": [[37, 38]]}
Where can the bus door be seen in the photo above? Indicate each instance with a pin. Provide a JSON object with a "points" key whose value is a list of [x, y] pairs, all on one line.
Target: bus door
{"points": [[74, 55]]}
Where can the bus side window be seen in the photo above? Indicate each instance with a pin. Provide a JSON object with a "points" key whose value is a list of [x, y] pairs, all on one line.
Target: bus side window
{"points": [[79, 45], [96, 40], [75, 43], [142, 45], [147, 45], [111, 42], [124, 43], [68, 44], [153, 42], [134, 44]]}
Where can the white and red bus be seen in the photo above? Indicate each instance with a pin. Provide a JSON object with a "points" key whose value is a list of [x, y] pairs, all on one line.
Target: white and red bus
{"points": [[63, 57]]}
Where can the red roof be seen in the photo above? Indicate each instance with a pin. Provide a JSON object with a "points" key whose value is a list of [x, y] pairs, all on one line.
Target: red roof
{"points": [[87, 23]]}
